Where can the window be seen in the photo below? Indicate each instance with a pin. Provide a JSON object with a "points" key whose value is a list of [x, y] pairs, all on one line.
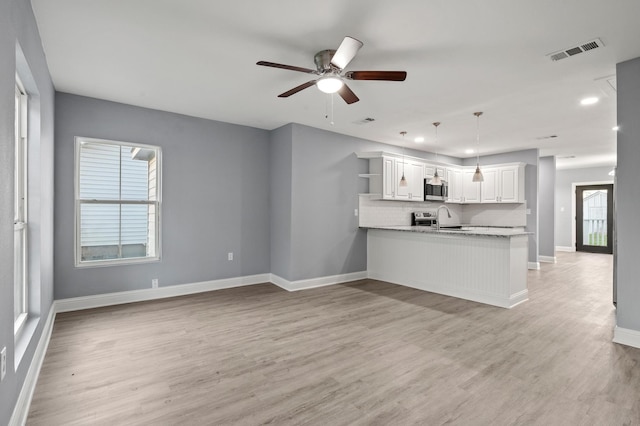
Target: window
{"points": [[117, 202], [20, 231]]}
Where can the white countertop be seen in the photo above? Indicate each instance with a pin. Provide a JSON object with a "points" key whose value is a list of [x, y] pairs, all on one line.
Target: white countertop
{"points": [[464, 231]]}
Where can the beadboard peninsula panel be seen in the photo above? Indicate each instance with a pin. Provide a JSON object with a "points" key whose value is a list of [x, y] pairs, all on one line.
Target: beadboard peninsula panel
{"points": [[491, 270]]}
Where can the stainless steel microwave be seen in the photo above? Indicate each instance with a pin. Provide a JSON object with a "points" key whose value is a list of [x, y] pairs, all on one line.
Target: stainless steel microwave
{"points": [[435, 192]]}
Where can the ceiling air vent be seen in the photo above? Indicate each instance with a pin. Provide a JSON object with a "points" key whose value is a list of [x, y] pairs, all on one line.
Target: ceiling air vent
{"points": [[366, 120], [575, 50]]}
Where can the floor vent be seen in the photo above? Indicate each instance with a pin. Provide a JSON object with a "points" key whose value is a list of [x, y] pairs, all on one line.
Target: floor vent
{"points": [[575, 50]]}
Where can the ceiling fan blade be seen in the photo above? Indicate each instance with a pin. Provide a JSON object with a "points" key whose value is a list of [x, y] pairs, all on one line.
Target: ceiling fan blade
{"points": [[348, 95], [286, 67], [376, 75], [346, 52], [297, 89]]}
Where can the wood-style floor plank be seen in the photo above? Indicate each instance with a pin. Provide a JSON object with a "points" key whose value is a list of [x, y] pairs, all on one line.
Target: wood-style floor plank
{"points": [[363, 353]]}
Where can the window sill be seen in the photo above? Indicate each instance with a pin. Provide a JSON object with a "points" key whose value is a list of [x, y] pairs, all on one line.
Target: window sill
{"points": [[23, 338], [116, 262]]}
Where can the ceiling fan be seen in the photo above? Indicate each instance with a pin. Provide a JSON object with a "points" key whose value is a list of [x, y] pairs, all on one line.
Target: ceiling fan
{"points": [[330, 65]]}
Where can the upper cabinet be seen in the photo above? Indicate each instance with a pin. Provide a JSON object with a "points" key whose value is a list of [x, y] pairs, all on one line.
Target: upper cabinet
{"points": [[512, 183], [385, 174], [454, 182], [413, 172], [470, 190], [503, 183]]}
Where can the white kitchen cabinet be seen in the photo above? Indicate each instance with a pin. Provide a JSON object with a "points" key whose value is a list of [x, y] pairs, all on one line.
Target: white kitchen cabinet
{"points": [[454, 181], [414, 174], [470, 189], [489, 188], [388, 178], [503, 184], [512, 184], [385, 173]]}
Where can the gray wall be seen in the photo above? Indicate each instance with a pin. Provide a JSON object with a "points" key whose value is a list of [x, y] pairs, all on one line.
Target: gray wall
{"points": [[314, 192], [628, 194], [18, 25], [280, 160], [530, 157], [547, 207], [565, 222], [215, 196]]}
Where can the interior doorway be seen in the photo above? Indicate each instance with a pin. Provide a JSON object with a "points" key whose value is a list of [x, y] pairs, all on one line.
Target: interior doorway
{"points": [[594, 218]]}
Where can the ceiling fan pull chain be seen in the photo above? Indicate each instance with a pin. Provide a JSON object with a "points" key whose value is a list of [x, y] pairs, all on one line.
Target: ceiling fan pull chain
{"points": [[332, 95], [326, 109]]}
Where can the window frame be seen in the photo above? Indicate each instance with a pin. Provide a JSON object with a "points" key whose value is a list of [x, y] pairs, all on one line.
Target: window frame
{"points": [[79, 263], [20, 218]]}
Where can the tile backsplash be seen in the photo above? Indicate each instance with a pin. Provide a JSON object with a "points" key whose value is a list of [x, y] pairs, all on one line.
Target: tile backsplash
{"points": [[394, 213]]}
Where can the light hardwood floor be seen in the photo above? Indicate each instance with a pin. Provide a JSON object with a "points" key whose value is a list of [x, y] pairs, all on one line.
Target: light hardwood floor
{"points": [[362, 353]]}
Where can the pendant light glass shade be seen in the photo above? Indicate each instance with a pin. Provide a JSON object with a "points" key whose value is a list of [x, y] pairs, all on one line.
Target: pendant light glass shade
{"points": [[403, 180], [436, 180], [477, 176]]}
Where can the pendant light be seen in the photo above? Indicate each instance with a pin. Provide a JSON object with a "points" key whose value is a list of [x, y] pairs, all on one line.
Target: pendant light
{"points": [[436, 181], [477, 176], [403, 180]]}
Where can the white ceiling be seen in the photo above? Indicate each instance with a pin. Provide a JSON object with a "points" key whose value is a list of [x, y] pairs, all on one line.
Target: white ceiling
{"points": [[197, 57]]}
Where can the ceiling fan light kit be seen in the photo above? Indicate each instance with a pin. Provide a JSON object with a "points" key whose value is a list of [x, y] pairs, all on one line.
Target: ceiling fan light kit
{"points": [[329, 84], [329, 67]]}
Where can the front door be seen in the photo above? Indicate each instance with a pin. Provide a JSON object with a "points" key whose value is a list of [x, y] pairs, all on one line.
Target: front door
{"points": [[594, 218]]}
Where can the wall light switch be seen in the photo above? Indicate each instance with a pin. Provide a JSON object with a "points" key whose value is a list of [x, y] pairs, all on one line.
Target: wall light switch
{"points": [[230, 256]]}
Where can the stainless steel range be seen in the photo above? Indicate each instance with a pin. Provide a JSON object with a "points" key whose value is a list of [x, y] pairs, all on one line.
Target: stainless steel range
{"points": [[423, 218]]}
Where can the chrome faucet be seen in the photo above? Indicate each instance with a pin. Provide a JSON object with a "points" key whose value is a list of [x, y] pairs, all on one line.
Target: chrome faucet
{"points": [[438, 215]]}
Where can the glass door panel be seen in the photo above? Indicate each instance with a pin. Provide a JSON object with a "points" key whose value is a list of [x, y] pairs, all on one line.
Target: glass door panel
{"points": [[594, 216]]}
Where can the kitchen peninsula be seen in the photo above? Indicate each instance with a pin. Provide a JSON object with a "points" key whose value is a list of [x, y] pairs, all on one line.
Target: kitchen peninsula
{"points": [[486, 265], [486, 261]]}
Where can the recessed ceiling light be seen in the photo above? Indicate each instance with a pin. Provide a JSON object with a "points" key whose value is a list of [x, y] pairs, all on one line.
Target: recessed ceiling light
{"points": [[589, 101], [419, 139], [469, 151], [615, 128]]}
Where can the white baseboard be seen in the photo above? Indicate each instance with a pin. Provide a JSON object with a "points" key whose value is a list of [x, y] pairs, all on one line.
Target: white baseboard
{"points": [[108, 299], [317, 282], [547, 259], [567, 249], [21, 409], [534, 265], [626, 336]]}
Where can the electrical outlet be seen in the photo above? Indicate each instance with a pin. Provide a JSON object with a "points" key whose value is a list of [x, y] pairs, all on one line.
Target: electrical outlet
{"points": [[3, 363], [355, 212], [230, 256], [154, 283]]}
